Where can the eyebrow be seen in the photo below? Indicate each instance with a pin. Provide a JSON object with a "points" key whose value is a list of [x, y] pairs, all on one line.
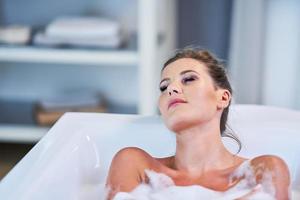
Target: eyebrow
{"points": [[181, 73]]}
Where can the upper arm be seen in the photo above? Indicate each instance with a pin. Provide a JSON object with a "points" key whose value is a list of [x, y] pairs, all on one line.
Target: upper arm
{"points": [[274, 169], [126, 169]]}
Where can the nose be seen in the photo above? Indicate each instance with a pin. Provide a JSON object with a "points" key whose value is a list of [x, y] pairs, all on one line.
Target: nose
{"points": [[173, 88], [174, 91]]}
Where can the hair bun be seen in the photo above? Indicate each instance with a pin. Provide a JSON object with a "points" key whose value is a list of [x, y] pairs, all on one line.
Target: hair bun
{"points": [[209, 57]]}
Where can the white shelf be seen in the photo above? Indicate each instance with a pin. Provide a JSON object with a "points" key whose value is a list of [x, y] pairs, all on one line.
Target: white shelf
{"points": [[21, 133], [68, 56], [146, 52]]}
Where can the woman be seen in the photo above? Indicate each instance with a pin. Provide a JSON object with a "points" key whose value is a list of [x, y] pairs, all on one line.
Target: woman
{"points": [[194, 102]]}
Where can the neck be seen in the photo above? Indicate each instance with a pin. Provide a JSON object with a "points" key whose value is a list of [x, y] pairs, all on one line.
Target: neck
{"points": [[200, 149]]}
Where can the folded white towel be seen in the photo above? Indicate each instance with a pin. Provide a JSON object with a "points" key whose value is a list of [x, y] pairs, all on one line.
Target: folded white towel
{"points": [[103, 42], [82, 28], [15, 34], [69, 100]]}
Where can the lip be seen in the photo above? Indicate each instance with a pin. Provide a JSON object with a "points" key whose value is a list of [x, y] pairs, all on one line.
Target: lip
{"points": [[175, 101]]}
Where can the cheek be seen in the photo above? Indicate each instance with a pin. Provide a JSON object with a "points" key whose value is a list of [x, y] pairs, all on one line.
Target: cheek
{"points": [[203, 99], [202, 105], [161, 104]]}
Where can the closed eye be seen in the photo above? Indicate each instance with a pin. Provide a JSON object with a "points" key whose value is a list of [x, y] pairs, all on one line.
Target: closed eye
{"points": [[188, 79], [162, 88]]}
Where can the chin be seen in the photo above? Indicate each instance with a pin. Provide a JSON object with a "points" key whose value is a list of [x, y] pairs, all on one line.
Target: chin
{"points": [[177, 127], [178, 122], [185, 118]]}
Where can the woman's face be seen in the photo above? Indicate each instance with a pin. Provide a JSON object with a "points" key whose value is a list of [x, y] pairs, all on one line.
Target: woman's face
{"points": [[188, 95]]}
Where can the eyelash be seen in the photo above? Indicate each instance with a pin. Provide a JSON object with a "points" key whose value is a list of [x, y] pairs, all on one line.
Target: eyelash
{"points": [[189, 78], [163, 88], [184, 80]]}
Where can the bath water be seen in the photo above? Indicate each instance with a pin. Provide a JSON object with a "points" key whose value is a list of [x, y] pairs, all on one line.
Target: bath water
{"points": [[162, 187]]}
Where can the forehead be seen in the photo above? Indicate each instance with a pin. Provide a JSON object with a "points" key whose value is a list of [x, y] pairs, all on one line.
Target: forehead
{"points": [[183, 64]]}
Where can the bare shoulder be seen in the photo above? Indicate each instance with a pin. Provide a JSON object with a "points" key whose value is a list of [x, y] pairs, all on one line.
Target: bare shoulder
{"points": [[131, 159], [132, 154], [135, 160], [127, 170], [269, 162], [275, 169]]}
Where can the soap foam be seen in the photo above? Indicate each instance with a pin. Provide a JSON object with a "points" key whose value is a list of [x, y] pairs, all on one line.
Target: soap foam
{"points": [[162, 187]]}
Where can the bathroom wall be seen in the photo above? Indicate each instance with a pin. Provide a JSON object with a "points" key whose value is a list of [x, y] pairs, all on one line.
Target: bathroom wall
{"points": [[282, 50], [205, 24], [264, 53]]}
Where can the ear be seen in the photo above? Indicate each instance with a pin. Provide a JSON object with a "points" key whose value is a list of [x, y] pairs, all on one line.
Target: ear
{"points": [[224, 97]]}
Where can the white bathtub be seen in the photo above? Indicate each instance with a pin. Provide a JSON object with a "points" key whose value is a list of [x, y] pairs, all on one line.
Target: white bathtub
{"points": [[72, 160]]}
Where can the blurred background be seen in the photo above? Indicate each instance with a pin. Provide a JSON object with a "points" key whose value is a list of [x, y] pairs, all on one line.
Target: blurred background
{"points": [[105, 56]]}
